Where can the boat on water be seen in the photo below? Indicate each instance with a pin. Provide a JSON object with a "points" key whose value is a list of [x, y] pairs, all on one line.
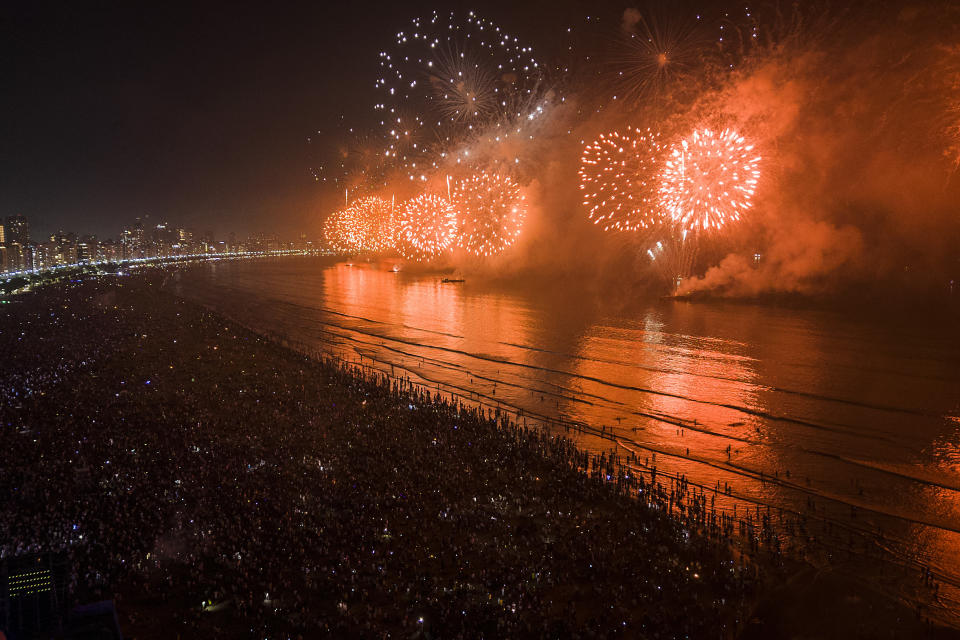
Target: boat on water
{"points": [[452, 280]]}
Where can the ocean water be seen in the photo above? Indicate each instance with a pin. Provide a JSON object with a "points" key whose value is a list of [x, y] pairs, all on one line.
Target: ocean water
{"points": [[848, 424]]}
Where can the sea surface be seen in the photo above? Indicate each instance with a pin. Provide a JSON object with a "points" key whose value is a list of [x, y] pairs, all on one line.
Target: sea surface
{"points": [[846, 422]]}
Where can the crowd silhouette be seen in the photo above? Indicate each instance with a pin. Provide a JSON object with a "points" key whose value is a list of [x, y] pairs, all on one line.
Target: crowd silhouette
{"points": [[215, 482]]}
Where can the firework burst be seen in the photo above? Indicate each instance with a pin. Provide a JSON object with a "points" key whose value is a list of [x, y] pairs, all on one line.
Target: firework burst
{"points": [[427, 227], [377, 222], [618, 177], [708, 180], [655, 56], [491, 212], [447, 80], [331, 233], [346, 230], [368, 224]]}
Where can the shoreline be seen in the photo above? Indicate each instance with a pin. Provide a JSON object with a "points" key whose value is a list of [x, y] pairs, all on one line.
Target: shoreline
{"points": [[857, 599], [818, 534], [573, 478]]}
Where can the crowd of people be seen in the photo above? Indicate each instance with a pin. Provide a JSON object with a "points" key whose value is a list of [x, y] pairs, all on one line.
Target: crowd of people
{"points": [[215, 483]]}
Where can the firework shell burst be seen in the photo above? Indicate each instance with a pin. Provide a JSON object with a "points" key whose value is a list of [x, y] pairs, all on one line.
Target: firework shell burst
{"points": [[367, 224], [448, 80], [427, 227], [378, 221], [491, 210], [619, 180], [346, 230], [331, 232], [708, 180]]}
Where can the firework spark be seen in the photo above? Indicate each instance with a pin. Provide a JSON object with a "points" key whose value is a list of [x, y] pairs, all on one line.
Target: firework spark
{"points": [[357, 162], [491, 212], [331, 232], [427, 227], [368, 224], [448, 80], [346, 230], [618, 175], [672, 257], [376, 219], [708, 180], [655, 56]]}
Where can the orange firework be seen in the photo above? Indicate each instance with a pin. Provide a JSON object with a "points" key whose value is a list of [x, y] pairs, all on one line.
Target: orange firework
{"points": [[709, 179], [343, 232], [330, 231], [368, 224], [492, 211], [376, 220], [427, 227], [618, 175]]}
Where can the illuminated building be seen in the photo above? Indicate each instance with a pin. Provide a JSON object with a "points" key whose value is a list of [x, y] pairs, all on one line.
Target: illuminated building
{"points": [[18, 229]]}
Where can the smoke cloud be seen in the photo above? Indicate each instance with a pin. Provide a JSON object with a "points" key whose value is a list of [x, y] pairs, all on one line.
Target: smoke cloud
{"points": [[856, 116], [860, 152]]}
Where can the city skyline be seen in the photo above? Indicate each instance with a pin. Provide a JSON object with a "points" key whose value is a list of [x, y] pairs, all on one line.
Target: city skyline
{"points": [[21, 249]]}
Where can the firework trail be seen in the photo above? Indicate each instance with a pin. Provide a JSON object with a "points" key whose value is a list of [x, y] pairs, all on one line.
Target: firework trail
{"points": [[618, 177], [672, 258], [491, 211], [709, 180], [427, 227]]}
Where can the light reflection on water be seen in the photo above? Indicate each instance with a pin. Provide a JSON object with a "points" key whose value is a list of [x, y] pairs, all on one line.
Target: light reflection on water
{"points": [[847, 420]]}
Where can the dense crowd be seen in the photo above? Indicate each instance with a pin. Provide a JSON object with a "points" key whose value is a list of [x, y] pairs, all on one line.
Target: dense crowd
{"points": [[216, 483]]}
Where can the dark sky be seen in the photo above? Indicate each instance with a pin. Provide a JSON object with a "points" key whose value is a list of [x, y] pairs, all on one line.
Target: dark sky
{"points": [[195, 114]]}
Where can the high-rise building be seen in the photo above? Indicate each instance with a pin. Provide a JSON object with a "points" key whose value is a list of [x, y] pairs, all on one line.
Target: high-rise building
{"points": [[111, 251], [15, 258], [39, 256], [133, 241], [17, 229], [163, 240], [87, 249], [14, 236], [62, 248], [139, 240]]}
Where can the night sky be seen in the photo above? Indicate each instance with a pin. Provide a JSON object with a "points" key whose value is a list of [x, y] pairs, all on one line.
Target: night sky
{"points": [[198, 115]]}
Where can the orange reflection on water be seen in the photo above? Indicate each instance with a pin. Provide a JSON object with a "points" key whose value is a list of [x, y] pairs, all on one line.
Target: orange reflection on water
{"points": [[941, 546]]}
